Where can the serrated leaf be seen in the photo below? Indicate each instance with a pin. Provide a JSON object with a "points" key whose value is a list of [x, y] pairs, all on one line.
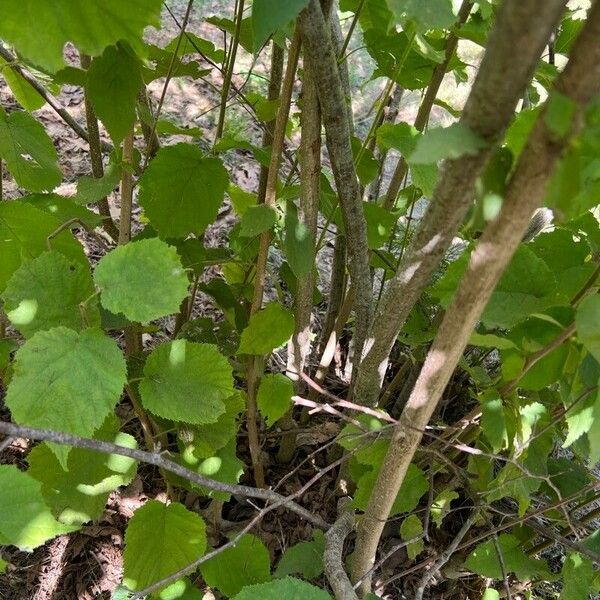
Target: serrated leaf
{"points": [[185, 381], [303, 558], [446, 142], [39, 29], [23, 236], [257, 219], [484, 560], [299, 243], [159, 541], [426, 14], [245, 564], [587, 320], [400, 136], [26, 520], [47, 292], [274, 396], [63, 208], [79, 493], [440, 507], [268, 329], [269, 16], [143, 280], [113, 82], [289, 588], [28, 151], [415, 484], [86, 368], [240, 199], [93, 189], [181, 190], [224, 466], [412, 527], [577, 575]]}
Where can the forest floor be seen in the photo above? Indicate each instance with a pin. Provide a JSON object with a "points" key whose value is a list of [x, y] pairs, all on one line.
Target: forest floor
{"points": [[87, 565]]}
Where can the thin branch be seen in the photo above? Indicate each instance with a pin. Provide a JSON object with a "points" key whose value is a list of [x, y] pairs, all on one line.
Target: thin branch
{"points": [[333, 557], [159, 461], [51, 100]]}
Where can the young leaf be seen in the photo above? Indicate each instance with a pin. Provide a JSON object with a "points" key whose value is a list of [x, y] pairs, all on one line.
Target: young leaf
{"points": [[181, 191], [269, 16], [303, 558], [245, 564], [289, 588], [144, 280], [22, 90], [446, 142], [26, 520], [159, 541], [268, 329], [39, 29], [587, 320], [79, 493], [225, 467], [185, 381], [274, 396], [113, 83], [49, 291], [28, 151], [86, 368], [412, 527], [257, 219], [441, 505]]}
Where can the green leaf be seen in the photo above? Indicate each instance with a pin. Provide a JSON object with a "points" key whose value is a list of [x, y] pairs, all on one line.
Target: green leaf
{"points": [[79, 493], [26, 520], [412, 527], [587, 320], [27, 150], [245, 564], [39, 29], [257, 219], [113, 83], [269, 16], [560, 111], [426, 14], [400, 136], [191, 44], [246, 31], [577, 575], [289, 588], [493, 422], [489, 340], [380, 224], [268, 329], [274, 397], [143, 280], [185, 381], [86, 368], [225, 467], [22, 90], [47, 292], [413, 487], [303, 558], [440, 507], [446, 142], [490, 594], [181, 191], [159, 541], [299, 243], [484, 560], [92, 189], [64, 209], [240, 199], [180, 590]]}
